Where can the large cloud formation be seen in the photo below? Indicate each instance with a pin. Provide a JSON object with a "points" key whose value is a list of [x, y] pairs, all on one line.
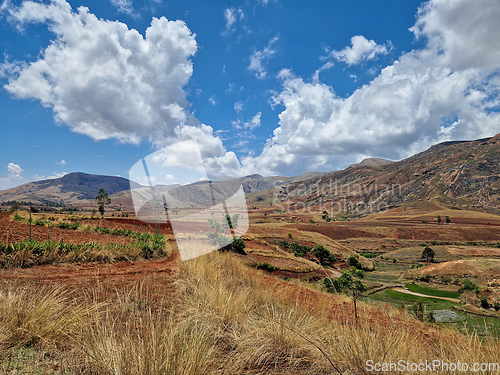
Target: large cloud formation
{"points": [[105, 80], [449, 90]]}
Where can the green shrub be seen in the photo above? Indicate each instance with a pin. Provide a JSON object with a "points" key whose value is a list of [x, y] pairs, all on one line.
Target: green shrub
{"points": [[300, 250], [285, 244], [469, 286], [354, 262], [265, 266], [63, 225], [238, 246], [484, 302], [425, 278], [324, 256]]}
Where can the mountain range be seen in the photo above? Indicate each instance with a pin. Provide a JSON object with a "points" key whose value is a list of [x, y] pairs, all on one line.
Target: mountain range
{"points": [[459, 174]]}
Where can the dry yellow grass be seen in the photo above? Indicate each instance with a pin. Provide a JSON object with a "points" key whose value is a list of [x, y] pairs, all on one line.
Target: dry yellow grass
{"points": [[222, 320]]}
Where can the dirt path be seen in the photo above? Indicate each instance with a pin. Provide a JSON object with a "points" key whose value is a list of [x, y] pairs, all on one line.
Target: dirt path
{"points": [[406, 291]]}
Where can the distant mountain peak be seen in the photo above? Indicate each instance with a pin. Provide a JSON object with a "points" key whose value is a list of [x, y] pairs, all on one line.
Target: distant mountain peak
{"points": [[371, 162], [72, 187]]}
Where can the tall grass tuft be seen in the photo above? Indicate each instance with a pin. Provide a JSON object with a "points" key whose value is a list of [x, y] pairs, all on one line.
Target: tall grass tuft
{"points": [[149, 344], [42, 317]]}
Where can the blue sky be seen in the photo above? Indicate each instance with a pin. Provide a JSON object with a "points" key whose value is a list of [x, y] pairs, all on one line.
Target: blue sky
{"points": [[272, 87]]}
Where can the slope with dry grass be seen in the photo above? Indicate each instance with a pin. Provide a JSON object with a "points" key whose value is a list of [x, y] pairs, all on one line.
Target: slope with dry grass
{"points": [[217, 317]]}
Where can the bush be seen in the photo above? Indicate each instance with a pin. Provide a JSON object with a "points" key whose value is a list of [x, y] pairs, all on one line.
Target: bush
{"points": [[469, 286], [354, 262], [63, 225], [238, 246], [300, 250], [425, 278], [265, 266], [323, 255], [484, 302], [496, 306], [285, 244]]}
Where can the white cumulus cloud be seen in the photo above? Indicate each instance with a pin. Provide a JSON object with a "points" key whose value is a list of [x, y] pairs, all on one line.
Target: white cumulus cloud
{"points": [[105, 80], [13, 178], [426, 96], [463, 33], [14, 169], [360, 49]]}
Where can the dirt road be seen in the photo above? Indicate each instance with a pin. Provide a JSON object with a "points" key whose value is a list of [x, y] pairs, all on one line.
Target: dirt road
{"points": [[406, 291]]}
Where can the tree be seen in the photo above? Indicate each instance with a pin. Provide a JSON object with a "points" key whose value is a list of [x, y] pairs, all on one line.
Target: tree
{"points": [[428, 254], [15, 206], [439, 219], [233, 221], [448, 221], [418, 310], [350, 284], [102, 199], [484, 302], [323, 255], [219, 238], [354, 262]]}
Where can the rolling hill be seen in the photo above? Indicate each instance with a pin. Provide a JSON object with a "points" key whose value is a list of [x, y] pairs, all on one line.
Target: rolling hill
{"points": [[71, 188], [459, 175]]}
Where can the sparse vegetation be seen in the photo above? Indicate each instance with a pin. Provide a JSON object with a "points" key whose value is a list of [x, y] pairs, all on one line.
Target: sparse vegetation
{"points": [[265, 266], [350, 283], [102, 200], [354, 262], [32, 253], [323, 254], [428, 254], [469, 286]]}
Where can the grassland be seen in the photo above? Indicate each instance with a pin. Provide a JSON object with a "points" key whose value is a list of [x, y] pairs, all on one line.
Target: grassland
{"points": [[217, 315], [219, 318]]}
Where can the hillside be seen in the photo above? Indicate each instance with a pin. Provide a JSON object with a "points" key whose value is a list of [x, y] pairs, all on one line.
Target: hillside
{"points": [[460, 175], [71, 188]]}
